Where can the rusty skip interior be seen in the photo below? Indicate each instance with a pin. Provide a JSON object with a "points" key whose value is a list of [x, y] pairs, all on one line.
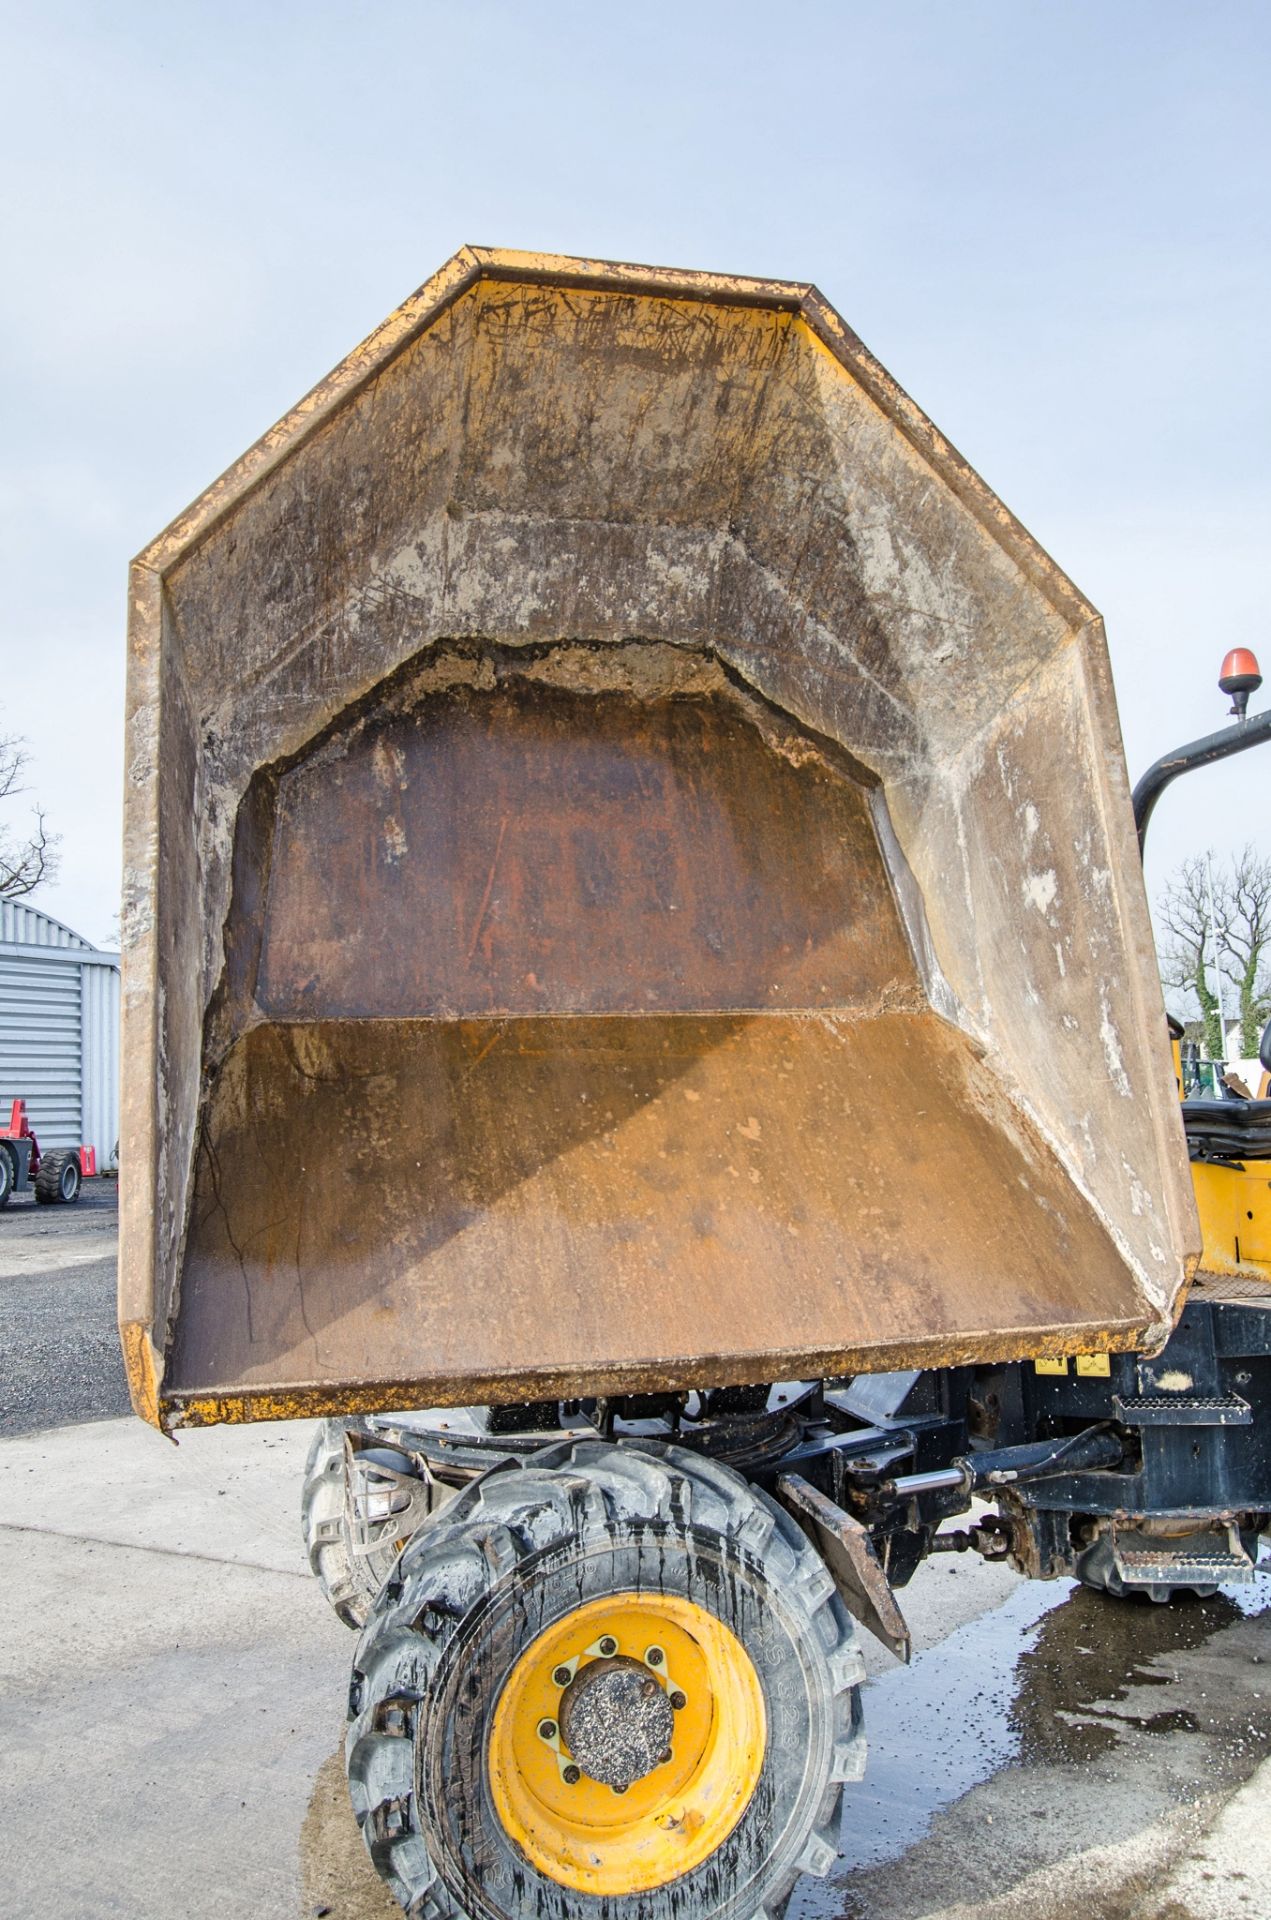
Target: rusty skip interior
{"points": [[615, 923], [560, 984]]}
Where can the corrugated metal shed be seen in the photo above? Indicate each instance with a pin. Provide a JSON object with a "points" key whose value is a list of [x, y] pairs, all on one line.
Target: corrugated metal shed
{"points": [[59, 1030]]}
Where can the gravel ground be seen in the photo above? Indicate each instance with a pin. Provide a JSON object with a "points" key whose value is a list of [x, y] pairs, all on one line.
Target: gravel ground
{"points": [[59, 1349]]}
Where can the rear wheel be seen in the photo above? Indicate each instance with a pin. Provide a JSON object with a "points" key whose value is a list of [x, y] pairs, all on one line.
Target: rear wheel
{"points": [[611, 1673], [351, 1553], [8, 1175], [58, 1181]]}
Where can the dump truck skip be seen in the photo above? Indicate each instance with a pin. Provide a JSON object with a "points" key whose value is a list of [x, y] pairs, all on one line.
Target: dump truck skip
{"points": [[630, 882]]}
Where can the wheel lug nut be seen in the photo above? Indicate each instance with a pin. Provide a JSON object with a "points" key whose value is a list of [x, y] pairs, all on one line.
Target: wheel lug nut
{"points": [[619, 1789], [665, 1761], [678, 1700], [647, 1689], [608, 1647], [561, 1677], [571, 1776], [547, 1729], [654, 1657]]}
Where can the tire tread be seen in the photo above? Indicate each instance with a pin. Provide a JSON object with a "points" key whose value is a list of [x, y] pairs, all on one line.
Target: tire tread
{"points": [[518, 1509]]}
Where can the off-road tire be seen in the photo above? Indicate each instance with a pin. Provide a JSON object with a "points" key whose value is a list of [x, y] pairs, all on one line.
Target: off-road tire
{"points": [[58, 1182], [8, 1175], [350, 1580], [324, 1523], [524, 1546]]}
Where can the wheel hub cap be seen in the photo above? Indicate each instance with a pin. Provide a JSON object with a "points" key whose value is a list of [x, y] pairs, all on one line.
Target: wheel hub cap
{"points": [[626, 1743], [616, 1721]]}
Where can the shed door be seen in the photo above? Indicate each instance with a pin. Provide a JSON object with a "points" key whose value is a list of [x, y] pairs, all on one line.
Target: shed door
{"points": [[40, 1045]]}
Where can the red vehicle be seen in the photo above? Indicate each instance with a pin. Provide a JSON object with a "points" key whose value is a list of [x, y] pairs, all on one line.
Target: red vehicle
{"points": [[56, 1177]]}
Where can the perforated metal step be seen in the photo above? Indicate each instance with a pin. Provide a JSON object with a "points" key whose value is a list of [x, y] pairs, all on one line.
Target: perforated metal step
{"points": [[1182, 1410], [1244, 1289], [1147, 1567]]}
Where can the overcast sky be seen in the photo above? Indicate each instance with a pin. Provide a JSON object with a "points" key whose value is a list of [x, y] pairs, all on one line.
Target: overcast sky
{"points": [[1049, 221]]}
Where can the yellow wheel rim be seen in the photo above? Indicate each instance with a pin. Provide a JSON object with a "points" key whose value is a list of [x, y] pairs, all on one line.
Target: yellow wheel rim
{"points": [[577, 1830]]}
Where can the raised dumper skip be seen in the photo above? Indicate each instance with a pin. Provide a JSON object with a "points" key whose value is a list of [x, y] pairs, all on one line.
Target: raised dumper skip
{"points": [[631, 898]]}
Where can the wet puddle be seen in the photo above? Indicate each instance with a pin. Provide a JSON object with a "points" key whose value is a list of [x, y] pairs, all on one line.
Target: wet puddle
{"points": [[939, 1726], [1038, 1682]]}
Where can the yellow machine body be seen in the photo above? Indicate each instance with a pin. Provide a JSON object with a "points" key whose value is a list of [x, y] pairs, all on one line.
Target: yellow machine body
{"points": [[1233, 1199]]}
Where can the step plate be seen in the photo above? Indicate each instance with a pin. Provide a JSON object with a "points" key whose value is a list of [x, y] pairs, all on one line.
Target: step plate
{"points": [[1180, 1410], [1141, 1568]]}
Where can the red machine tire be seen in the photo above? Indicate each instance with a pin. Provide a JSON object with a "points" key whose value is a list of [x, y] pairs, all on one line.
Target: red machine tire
{"points": [[58, 1182]]}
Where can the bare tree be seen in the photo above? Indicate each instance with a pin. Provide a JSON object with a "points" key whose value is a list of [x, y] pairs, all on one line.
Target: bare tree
{"points": [[1246, 943], [1187, 957], [24, 863], [1238, 946]]}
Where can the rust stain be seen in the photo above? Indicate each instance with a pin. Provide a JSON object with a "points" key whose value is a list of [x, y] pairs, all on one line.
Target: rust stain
{"points": [[607, 856]]}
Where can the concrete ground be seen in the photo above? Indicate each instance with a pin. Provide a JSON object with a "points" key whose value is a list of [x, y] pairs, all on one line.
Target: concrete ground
{"points": [[172, 1686]]}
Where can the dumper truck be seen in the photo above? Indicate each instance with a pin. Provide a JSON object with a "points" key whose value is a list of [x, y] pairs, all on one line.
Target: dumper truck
{"points": [[635, 949]]}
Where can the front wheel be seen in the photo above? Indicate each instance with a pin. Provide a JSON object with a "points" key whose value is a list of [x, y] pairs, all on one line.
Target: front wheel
{"points": [[608, 1672]]}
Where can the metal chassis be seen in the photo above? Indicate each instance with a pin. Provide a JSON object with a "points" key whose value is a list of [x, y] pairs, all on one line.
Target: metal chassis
{"points": [[1178, 1445], [21, 1150]]}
